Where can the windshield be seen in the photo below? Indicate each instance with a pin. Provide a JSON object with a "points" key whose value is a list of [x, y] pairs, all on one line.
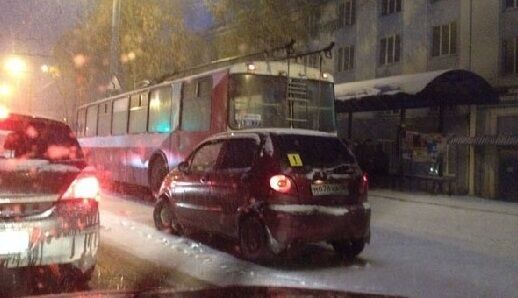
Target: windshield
{"points": [[315, 151], [262, 101], [149, 147]]}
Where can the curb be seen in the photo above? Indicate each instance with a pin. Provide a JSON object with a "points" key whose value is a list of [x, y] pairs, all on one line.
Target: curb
{"points": [[443, 204]]}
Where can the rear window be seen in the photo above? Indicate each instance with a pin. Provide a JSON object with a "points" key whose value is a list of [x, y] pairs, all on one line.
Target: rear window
{"points": [[300, 151], [238, 154], [31, 139]]}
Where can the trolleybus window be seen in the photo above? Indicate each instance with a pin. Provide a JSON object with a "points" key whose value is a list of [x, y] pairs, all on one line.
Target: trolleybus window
{"points": [[120, 116], [138, 113], [261, 101], [105, 115], [257, 101], [81, 118], [317, 112], [196, 105], [91, 121], [160, 106]]}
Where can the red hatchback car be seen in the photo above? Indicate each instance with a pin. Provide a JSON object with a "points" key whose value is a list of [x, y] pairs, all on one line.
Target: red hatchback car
{"points": [[273, 190]]}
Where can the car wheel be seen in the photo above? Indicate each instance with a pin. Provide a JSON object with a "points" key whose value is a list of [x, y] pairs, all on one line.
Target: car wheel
{"points": [[163, 216], [349, 249], [158, 171], [253, 240]]}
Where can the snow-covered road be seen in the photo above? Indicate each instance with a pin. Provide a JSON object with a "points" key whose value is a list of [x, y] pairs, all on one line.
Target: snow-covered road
{"points": [[418, 249]]}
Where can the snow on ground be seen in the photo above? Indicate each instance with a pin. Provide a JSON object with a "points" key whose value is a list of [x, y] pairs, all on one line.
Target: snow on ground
{"points": [[418, 249]]}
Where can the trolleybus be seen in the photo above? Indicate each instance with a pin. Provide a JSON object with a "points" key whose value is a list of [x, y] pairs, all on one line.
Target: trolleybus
{"points": [[138, 136]]}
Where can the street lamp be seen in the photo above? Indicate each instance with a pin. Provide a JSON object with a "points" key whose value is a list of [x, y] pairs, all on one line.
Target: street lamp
{"points": [[5, 90], [16, 66], [45, 68]]}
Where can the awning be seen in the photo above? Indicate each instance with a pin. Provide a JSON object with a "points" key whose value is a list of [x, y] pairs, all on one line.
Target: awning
{"points": [[435, 88], [499, 140]]}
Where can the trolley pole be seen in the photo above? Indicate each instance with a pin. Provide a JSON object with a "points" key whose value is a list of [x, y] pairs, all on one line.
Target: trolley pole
{"points": [[114, 48]]}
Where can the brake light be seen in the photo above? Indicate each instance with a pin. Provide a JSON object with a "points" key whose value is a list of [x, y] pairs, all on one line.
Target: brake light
{"points": [[86, 187], [364, 185], [281, 183]]}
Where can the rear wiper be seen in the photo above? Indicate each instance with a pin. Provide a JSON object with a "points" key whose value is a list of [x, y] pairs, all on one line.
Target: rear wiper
{"points": [[346, 167]]}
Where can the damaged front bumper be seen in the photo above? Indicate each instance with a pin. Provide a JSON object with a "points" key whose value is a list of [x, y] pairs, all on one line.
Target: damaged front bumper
{"points": [[66, 234]]}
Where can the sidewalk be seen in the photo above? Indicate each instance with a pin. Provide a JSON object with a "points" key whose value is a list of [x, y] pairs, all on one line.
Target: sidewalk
{"points": [[461, 202]]}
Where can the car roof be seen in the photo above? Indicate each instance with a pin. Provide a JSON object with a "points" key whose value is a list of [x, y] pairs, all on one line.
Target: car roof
{"points": [[33, 119]]}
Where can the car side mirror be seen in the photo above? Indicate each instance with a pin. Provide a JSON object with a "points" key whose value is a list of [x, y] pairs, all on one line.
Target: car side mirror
{"points": [[183, 167]]}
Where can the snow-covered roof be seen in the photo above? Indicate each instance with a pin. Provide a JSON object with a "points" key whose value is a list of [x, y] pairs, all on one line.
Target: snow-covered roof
{"points": [[409, 84]]}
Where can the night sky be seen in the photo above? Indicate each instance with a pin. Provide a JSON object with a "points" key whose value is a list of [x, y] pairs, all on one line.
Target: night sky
{"points": [[36, 24], [33, 27]]}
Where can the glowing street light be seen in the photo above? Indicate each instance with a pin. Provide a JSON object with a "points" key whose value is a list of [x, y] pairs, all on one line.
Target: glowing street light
{"points": [[45, 68], [4, 112], [16, 66], [5, 90]]}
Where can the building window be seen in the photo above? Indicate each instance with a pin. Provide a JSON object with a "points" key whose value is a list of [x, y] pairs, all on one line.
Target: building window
{"points": [[511, 4], [510, 56], [345, 59], [444, 40], [346, 13], [390, 49], [313, 21], [390, 6]]}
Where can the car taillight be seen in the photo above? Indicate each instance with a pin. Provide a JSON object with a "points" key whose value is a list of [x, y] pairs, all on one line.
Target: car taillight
{"points": [[85, 187], [364, 186], [281, 183]]}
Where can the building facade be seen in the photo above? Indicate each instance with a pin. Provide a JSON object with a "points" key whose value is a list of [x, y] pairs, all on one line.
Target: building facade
{"points": [[387, 38]]}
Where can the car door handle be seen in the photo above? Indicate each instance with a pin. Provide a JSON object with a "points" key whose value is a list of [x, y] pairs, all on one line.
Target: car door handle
{"points": [[204, 179]]}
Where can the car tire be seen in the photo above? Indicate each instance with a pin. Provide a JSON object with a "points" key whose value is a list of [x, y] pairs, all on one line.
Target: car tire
{"points": [[253, 240], [163, 216], [157, 173], [349, 249]]}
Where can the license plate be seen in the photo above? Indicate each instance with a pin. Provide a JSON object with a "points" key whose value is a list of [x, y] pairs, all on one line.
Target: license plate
{"points": [[12, 242], [329, 189]]}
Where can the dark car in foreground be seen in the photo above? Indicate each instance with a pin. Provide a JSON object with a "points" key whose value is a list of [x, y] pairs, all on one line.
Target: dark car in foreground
{"points": [[272, 190], [49, 214], [224, 292]]}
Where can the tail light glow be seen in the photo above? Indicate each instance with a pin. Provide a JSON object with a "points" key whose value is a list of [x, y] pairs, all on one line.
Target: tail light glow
{"points": [[364, 186], [281, 183], [86, 187]]}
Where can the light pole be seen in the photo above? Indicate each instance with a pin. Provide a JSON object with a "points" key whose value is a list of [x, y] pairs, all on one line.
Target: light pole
{"points": [[114, 59]]}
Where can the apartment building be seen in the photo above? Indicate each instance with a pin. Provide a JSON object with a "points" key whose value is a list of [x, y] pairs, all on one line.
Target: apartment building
{"points": [[386, 44]]}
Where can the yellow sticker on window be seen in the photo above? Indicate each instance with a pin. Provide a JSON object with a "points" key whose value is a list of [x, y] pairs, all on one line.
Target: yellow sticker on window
{"points": [[295, 160]]}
